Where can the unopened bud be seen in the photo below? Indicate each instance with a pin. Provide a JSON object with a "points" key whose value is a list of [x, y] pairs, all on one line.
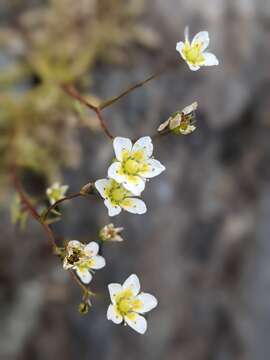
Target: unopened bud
{"points": [[83, 308], [87, 189], [111, 233]]}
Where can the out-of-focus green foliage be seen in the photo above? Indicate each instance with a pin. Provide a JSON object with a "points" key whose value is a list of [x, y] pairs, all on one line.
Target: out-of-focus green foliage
{"points": [[17, 214], [43, 48]]}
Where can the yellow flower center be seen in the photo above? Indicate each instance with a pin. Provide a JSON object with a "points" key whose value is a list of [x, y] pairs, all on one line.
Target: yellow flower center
{"points": [[124, 306], [131, 167], [117, 195], [193, 53], [56, 194], [126, 303]]}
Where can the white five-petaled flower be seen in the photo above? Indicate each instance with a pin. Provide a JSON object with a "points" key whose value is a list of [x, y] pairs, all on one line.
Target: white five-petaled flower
{"points": [[83, 259], [118, 198], [194, 53], [128, 304], [56, 192], [134, 163]]}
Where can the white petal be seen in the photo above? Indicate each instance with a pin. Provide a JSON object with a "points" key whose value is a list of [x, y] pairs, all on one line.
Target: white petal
{"points": [[64, 189], [84, 275], [98, 262], [155, 168], [134, 206], [190, 108], [203, 38], [193, 67], [210, 59], [55, 185], [133, 283], [113, 315], [114, 172], [91, 249], [52, 201], [188, 130], [137, 323], [164, 125], [67, 265], [176, 121], [101, 186], [75, 244], [114, 289], [149, 302], [120, 144], [186, 32], [179, 47], [144, 143], [134, 184], [112, 209]]}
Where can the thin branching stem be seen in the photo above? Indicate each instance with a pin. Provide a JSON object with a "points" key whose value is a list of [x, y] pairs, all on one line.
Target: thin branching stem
{"points": [[35, 215], [53, 206], [86, 291], [24, 199], [71, 90], [103, 124], [30, 207], [114, 99]]}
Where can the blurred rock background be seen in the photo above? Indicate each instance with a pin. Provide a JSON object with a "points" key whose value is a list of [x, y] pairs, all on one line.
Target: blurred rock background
{"points": [[203, 247]]}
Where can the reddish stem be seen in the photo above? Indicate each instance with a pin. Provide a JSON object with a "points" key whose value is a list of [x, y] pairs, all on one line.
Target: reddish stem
{"points": [[70, 90], [33, 212]]}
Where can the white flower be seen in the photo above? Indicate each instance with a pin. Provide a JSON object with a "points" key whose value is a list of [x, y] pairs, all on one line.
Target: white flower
{"points": [[118, 198], [83, 259], [111, 233], [56, 192], [128, 304], [134, 163], [181, 122], [193, 53]]}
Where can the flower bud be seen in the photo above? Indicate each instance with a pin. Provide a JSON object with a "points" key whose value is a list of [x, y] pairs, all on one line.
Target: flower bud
{"points": [[87, 189], [83, 308], [110, 233]]}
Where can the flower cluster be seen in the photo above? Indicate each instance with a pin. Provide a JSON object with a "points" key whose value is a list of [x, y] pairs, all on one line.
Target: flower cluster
{"points": [[131, 168], [128, 304], [134, 164]]}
